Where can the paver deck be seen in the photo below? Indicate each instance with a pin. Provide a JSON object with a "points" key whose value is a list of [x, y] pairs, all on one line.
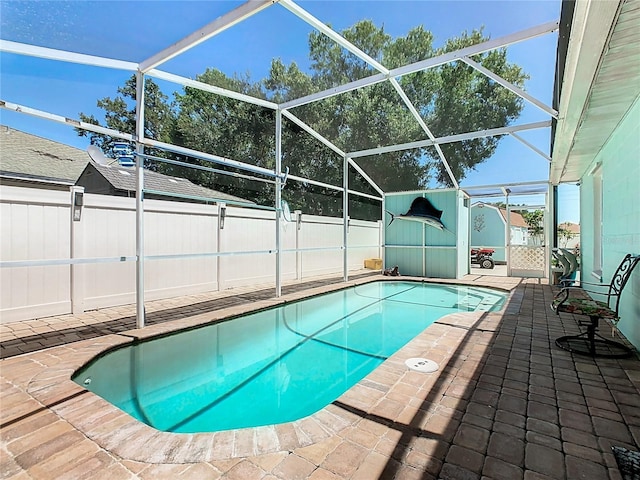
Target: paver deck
{"points": [[506, 403]]}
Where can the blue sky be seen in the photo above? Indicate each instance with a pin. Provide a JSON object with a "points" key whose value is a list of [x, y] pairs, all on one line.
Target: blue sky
{"points": [[135, 30]]}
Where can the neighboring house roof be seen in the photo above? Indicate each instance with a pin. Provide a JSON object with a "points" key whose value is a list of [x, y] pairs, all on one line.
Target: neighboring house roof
{"points": [[572, 227], [515, 219], [27, 157], [33, 158], [124, 178]]}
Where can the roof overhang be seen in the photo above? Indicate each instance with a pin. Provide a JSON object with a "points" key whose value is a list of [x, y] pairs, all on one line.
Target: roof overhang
{"points": [[507, 189], [25, 177], [601, 82]]}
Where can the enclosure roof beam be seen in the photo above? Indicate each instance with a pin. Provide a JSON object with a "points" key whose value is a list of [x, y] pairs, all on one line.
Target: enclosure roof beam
{"points": [[451, 139], [483, 47], [219, 25], [313, 182], [510, 86], [364, 175], [67, 121], [210, 158], [332, 92], [422, 123], [330, 187], [312, 132], [505, 41], [531, 146], [364, 195], [336, 37], [203, 168], [64, 56], [502, 186], [326, 142], [333, 147], [187, 82]]}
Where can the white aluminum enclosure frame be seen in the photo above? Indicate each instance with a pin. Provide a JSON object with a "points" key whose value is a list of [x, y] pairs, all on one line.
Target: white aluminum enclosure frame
{"points": [[149, 67]]}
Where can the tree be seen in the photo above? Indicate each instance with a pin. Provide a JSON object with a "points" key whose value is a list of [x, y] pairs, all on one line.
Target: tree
{"points": [[453, 98], [535, 222], [565, 234], [226, 127], [120, 114], [466, 101]]}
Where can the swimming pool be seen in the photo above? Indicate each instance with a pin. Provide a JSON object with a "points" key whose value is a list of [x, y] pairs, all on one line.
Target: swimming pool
{"points": [[276, 365]]}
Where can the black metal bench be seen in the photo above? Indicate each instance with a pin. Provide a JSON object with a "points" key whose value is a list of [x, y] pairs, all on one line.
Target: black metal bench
{"points": [[577, 300]]}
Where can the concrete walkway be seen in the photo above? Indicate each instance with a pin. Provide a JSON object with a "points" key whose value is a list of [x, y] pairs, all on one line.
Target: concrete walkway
{"points": [[506, 403]]}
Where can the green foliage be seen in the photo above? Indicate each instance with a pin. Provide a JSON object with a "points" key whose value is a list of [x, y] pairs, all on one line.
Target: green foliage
{"points": [[535, 222], [565, 234], [228, 128], [453, 98], [120, 114]]}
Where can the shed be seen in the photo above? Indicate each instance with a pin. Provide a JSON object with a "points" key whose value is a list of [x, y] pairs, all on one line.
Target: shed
{"points": [[419, 249], [489, 229]]}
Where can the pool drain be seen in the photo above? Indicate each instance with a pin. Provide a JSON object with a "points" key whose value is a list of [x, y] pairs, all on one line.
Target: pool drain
{"points": [[421, 365]]}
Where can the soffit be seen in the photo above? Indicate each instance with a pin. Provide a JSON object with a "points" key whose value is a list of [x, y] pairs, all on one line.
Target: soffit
{"points": [[601, 83]]}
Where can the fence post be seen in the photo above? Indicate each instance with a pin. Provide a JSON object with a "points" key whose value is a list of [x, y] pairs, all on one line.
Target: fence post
{"points": [[76, 277], [380, 238], [222, 213], [298, 215]]}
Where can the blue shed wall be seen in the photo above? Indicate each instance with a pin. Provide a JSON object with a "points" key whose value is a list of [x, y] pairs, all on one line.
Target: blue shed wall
{"points": [[488, 230], [404, 239]]}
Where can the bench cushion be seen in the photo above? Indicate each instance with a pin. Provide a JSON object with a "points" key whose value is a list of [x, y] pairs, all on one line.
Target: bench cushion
{"points": [[583, 306], [577, 301]]}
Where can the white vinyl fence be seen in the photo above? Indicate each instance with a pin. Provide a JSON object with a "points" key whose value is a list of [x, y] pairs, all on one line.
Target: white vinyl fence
{"points": [[52, 265]]}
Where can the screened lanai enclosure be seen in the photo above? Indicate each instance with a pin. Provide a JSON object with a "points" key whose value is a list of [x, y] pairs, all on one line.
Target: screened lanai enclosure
{"points": [[354, 131]]}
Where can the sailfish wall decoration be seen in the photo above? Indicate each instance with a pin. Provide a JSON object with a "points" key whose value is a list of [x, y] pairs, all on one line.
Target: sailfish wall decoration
{"points": [[421, 210]]}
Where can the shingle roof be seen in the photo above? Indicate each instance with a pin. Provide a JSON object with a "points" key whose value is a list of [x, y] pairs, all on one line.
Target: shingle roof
{"points": [[27, 156], [572, 227], [33, 157], [515, 219], [124, 178]]}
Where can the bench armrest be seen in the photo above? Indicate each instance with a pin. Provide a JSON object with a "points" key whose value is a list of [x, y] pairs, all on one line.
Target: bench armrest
{"points": [[597, 288], [580, 282]]}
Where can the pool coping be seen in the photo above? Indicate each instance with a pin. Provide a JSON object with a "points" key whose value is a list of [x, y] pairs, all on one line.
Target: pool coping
{"points": [[116, 431]]}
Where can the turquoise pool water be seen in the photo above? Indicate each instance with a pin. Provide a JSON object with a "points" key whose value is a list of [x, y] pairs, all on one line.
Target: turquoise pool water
{"points": [[273, 366]]}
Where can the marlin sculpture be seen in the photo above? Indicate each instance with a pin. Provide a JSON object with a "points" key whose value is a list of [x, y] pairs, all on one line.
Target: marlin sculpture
{"points": [[421, 210]]}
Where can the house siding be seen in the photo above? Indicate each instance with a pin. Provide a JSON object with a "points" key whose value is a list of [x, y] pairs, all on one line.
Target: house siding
{"points": [[620, 159]]}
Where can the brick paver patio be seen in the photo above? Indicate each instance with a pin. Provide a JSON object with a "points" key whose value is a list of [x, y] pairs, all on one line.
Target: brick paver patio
{"points": [[506, 403]]}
